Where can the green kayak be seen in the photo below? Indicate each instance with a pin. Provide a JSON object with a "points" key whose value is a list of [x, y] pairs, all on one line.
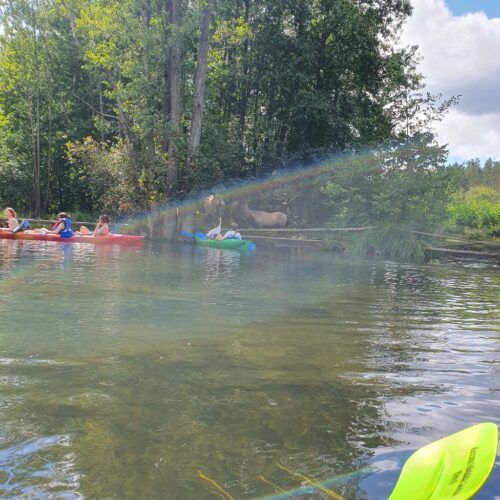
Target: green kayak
{"points": [[231, 244]]}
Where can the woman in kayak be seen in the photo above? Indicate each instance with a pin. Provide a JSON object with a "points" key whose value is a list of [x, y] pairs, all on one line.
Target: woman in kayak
{"points": [[11, 216], [44, 230], [233, 233], [101, 229]]}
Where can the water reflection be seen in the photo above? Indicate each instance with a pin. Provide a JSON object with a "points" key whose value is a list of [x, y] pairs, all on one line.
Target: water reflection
{"points": [[134, 369], [38, 468]]}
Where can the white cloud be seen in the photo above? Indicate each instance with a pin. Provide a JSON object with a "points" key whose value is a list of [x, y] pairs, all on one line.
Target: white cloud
{"points": [[460, 56], [471, 136]]}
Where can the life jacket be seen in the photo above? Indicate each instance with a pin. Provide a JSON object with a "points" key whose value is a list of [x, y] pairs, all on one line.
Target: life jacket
{"points": [[67, 232], [233, 235]]}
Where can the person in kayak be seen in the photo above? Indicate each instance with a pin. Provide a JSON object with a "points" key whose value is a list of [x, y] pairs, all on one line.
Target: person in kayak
{"points": [[101, 228], [63, 226], [11, 216], [233, 233]]}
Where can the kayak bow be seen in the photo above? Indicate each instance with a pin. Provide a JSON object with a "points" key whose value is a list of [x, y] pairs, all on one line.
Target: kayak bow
{"points": [[233, 244], [110, 239]]}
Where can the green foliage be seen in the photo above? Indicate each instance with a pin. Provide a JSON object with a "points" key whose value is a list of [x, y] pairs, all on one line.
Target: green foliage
{"points": [[409, 184], [86, 113], [470, 174], [103, 172], [394, 241], [476, 209], [390, 240]]}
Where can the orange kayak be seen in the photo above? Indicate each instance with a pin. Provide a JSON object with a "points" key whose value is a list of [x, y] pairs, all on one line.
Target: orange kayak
{"points": [[110, 239]]}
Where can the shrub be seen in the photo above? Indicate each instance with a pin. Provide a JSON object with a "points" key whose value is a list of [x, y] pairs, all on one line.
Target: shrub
{"points": [[476, 209]]}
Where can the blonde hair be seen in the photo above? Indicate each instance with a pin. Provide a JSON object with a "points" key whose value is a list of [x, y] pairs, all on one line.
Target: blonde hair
{"points": [[11, 211]]}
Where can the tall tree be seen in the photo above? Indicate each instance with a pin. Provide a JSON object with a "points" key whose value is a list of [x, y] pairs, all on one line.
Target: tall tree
{"points": [[174, 97], [201, 75]]}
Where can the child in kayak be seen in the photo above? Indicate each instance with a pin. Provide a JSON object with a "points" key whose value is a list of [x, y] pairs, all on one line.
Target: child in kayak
{"points": [[233, 234], [62, 227], [101, 229]]}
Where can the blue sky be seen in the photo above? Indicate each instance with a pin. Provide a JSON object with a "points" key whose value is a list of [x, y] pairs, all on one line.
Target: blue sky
{"points": [[490, 7]]}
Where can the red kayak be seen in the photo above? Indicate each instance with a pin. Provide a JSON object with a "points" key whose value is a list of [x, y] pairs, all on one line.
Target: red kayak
{"points": [[110, 239]]}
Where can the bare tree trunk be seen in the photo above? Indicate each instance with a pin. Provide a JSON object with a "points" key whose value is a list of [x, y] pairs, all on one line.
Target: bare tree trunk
{"points": [[201, 75]]}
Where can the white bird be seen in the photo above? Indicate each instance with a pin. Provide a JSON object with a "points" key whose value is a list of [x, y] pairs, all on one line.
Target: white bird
{"points": [[216, 230]]}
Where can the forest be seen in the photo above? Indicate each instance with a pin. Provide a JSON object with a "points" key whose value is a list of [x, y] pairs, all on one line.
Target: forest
{"points": [[125, 106]]}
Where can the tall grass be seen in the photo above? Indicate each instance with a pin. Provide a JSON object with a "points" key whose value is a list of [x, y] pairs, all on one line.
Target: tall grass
{"points": [[390, 240]]}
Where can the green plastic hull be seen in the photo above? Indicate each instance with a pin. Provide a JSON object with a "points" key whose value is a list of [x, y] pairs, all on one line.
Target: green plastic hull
{"points": [[230, 244]]}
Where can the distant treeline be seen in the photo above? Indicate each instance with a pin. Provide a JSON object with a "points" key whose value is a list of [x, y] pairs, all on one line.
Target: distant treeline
{"points": [[121, 105]]}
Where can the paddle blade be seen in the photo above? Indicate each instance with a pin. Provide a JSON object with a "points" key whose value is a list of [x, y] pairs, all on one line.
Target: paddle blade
{"points": [[251, 247], [187, 234], [453, 467], [202, 236]]}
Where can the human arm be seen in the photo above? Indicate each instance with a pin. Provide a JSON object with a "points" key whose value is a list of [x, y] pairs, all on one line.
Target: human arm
{"points": [[57, 230], [102, 229]]}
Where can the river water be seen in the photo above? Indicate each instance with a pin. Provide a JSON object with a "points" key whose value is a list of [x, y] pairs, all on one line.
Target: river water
{"points": [[146, 373]]}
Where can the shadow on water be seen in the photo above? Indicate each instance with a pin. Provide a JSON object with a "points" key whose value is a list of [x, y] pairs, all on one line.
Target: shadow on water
{"points": [[123, 373]]}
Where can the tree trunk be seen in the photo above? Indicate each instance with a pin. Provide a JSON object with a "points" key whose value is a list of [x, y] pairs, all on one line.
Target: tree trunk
{"points": [[201, 74], [174, 11], [36, 130], [244, 90], [129, 139], [146, 14], [149, 127]]}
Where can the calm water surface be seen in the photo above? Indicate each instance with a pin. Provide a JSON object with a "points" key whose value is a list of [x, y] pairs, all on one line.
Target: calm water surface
{"points": [[124, 372]]}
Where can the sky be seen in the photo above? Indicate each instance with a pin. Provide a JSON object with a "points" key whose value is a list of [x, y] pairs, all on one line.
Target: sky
{"points": [[459, 42]]}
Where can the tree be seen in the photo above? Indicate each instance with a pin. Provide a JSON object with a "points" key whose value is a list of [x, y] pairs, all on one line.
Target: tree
{"points": [[201, 75]]}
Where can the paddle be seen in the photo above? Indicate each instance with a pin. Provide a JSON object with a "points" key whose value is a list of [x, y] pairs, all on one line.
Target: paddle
{"points": [[197, 234], [453, 467]]}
